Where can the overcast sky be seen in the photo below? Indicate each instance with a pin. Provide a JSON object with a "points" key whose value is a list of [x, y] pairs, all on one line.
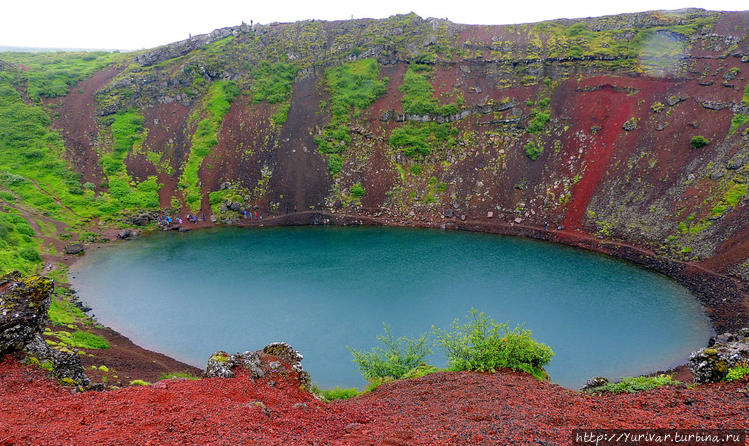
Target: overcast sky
{"points": [[137, 24]]}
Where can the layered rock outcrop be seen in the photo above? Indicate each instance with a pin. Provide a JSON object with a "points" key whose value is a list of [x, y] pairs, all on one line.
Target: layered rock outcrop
{"points": [[24, 303]]}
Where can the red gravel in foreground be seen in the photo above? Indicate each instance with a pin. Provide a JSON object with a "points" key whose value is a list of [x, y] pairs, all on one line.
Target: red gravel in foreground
{"points": [[443, 408]]}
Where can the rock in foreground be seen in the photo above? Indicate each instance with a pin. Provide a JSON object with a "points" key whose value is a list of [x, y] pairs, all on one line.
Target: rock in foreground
{"points": [[24, 303], [728, 350], [278, 357]]}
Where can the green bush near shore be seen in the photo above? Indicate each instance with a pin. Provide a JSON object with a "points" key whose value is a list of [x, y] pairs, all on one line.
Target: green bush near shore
{"points": [[396, 358], [487, 346], [479, 345]]}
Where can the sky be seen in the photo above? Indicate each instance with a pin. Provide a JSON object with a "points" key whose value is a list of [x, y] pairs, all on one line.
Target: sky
{"points": [[138, 24]]}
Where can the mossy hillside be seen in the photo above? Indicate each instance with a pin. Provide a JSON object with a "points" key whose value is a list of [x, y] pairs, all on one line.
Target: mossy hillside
{"points": [[53, 74], [418, 93], [214, 107], [353, 87], [32, 168], [125, 193]]}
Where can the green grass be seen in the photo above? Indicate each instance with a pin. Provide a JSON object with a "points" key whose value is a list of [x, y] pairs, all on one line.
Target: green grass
{"points": [[538, 122], [139, 382], [418, 93], [737, 122], [357, 190], [338, 394], [80, 339], [179, 375], [62, 312], [353, 87], [636, 384], [421, 370], [18, 249], [421, 139], [124, 192], [51, 75], [216, 105], [273, 83]]}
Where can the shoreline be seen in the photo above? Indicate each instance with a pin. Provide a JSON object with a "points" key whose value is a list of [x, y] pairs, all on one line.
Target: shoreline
{"points": [[721, 298]]}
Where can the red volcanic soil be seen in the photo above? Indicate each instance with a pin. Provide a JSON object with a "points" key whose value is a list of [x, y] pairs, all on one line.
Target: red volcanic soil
{"points": [[78, 124], [442, 408]]}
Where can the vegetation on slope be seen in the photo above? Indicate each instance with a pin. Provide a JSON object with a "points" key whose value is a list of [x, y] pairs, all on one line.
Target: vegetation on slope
{"points": [[215, 106], [353, 87], [481, 344], [51, 75]]}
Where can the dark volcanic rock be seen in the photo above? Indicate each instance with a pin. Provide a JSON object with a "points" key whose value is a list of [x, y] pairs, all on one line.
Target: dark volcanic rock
{"points": [[596, 381], [259, 363], [127, 233], [74, 248], [66, 364], [725, 351], [23, 309], [24, 303]]}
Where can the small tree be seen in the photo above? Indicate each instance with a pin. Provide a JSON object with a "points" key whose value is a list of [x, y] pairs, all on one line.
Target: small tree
{"points": [[699, 142], [395, 359], [484, 345]]}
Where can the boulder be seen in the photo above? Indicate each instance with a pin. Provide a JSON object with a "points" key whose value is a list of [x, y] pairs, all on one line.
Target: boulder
{"points": [[74, 248], [596, 381], [66, 364], [23, 309], [24, 303], [127, 233], [141, 219], [278, 358], [725, 351]]}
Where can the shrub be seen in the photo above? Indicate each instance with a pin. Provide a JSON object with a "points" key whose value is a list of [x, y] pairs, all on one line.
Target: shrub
{"points": [[538, 122], [396, 358], [698, 142], [637, 384], [83, 339], [484, 345], [357, 190], [139, 382], [737, 373], [533, 151], [30, 254], [737, 122], [335, 163]]}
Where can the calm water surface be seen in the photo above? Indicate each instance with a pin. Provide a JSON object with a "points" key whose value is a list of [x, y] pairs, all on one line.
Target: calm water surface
{"points": [[322, 289]]}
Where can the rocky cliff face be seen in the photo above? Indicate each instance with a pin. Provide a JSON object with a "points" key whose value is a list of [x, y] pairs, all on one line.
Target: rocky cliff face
{"points": [[24, 303], [629, 128]]}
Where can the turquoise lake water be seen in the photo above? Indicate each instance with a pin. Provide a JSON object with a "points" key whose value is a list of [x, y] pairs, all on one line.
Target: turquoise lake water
{"points": [[323, 288]]}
